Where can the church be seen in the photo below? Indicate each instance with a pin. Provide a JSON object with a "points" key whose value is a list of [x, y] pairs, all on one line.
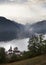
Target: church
{"points": [[11, 51]]}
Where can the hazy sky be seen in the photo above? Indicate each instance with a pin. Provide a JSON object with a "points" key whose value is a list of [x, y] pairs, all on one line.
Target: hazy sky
{"points": [[23, 11]]}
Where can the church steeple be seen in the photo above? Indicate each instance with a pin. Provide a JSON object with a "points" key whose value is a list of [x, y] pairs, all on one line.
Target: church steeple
{"points": [[10, 50]]}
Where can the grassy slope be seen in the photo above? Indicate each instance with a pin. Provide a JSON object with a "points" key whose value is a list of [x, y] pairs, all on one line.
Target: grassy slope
{"points": [[40, 60]]}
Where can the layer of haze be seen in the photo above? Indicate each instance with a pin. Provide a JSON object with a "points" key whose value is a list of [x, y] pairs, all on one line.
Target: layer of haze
{"points": [[23, 11]]}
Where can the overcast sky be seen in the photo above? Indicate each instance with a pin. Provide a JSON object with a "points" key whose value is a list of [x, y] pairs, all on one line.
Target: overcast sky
{"points": [[23, 11]]}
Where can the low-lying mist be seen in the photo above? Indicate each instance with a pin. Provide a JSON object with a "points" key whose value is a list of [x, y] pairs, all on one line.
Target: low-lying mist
{"points": [[20, 43]]}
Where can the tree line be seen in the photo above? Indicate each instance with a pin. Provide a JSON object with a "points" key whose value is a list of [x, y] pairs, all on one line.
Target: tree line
{"points": [[36, 46]]}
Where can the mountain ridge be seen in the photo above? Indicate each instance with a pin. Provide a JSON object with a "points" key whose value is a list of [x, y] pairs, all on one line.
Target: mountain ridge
{"points": [[10, 30], [39, 27]]}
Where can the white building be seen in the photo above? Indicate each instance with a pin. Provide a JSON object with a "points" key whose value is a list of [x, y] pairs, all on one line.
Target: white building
{"points": [[10, 52]]}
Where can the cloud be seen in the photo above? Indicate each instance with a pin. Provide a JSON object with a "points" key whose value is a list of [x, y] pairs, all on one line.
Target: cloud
{"points": [[13, 1], [24, 11], [24, 1], [39, 2]]}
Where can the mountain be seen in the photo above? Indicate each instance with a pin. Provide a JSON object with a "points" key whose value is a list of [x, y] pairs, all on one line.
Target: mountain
{"points": [[10, 30], [39, 27]]}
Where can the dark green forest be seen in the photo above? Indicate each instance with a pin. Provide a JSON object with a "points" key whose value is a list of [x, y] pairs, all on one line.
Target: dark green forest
{"points": [[36, 47]]}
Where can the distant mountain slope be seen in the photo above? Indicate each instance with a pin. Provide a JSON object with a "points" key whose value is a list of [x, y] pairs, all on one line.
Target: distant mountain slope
{"points": [[39, 27], [10, 30]]}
